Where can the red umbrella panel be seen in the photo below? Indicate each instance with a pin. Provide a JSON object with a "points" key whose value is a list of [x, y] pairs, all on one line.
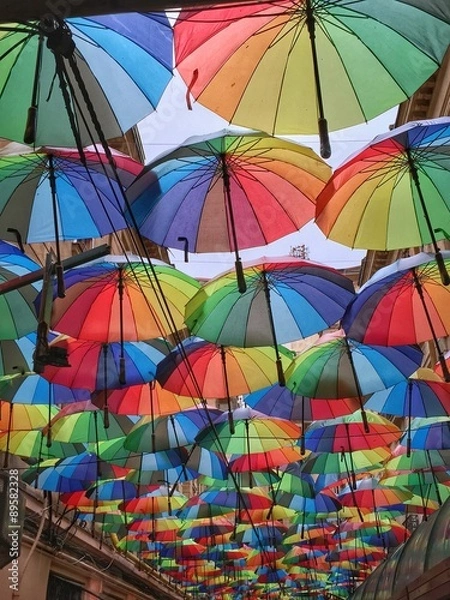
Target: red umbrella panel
{"points": [[142, 399]]}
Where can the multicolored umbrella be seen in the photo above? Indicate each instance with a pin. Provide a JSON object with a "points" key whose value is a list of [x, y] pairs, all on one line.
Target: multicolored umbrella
{"points": [[106, 59], [403, 303], [103, 366], [172, 431], [393, 193], [280, 401], [34, 389], [423, 394], [142, 399], [62, 195], [428, 434], [122, 298], [348, 433], [19, 315], [89, 426], [33, 444], [252, 432], [287, 299], [227, 192], [203, 369], [368, 493], [338, 366], [306, 50]]}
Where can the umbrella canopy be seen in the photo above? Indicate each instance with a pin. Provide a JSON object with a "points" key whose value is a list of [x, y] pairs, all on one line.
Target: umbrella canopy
{"points": [[89, 426], [122, 298], [368, 493], [106, 59], [63, 195], [172, 431], [403, 303], [227, 193], [102, 366], [394, 192], [198, 368], [307, 50], [287, 299], [22, 416], [252, 432], [338, 366], [346, 434], [280, 401], [33, 444], [423, 394], [34, 389], [142, 399], [428, 434], [17, 307]]}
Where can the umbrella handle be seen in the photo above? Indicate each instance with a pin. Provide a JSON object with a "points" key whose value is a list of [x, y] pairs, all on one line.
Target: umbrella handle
{"points": [[445, 277], [325, 146], [29, 135], [242, 286]]}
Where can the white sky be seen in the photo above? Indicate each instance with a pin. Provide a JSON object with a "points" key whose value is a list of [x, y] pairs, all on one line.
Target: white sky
{"points": [[172, 123]]}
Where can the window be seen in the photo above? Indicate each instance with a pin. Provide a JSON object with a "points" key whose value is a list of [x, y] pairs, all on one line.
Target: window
{"points": [[62, 589]]}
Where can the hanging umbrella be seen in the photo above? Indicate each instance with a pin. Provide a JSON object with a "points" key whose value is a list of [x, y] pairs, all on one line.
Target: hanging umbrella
{"points": [[280, 401], [122, 298], [172, 431], [428, 434], [61, 76], [227, 192], [32, 444], [89, 426], [392, 193], [199, 366], [46, 477], [306, 50], [206, 370], [338, 366], [62, 195], [347, 433], [264, 461], [22, 416], [19, 315], [370, 494], [403, 303], [98, 366], [423, 394], [142, 399], [156, 502], [287, 299], [252, 432], [243, 499], [113, 450], [34, 389]]}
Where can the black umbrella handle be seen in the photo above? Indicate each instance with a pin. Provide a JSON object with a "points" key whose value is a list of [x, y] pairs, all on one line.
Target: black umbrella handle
{"points": [[445, 277]]}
